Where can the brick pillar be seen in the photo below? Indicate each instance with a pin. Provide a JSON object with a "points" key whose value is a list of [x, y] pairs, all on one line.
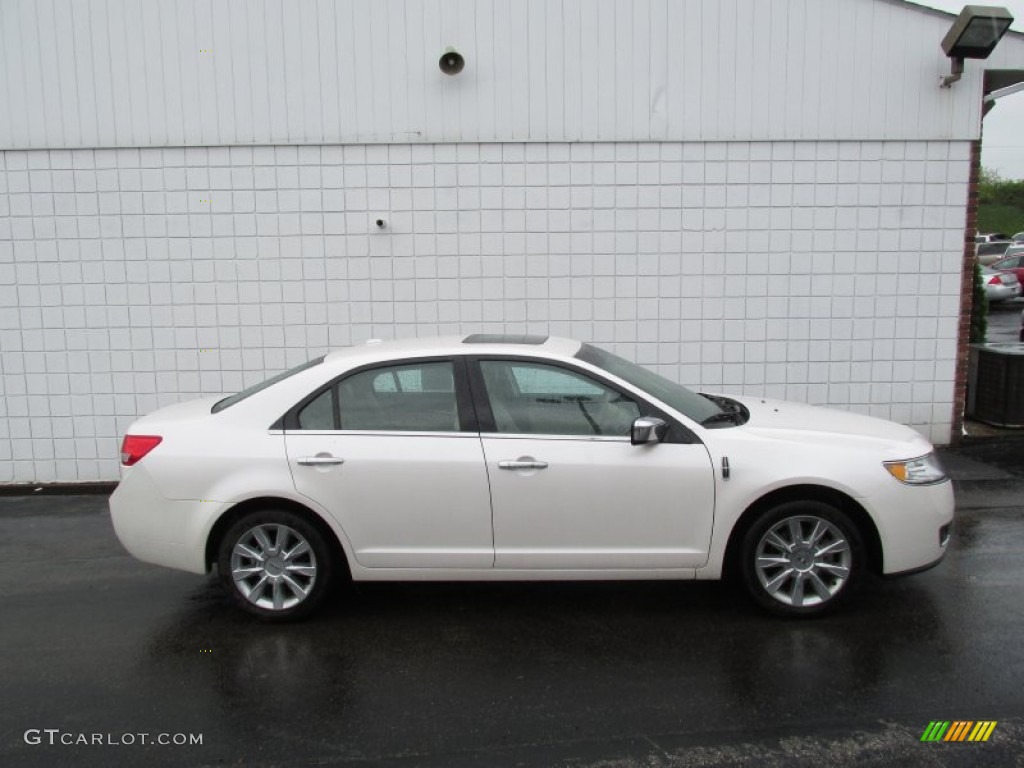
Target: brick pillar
{"points": [[966, 295]]}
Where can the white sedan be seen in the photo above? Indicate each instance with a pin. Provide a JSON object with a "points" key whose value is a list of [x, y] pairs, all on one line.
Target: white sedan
{"points": [[521, 458]]}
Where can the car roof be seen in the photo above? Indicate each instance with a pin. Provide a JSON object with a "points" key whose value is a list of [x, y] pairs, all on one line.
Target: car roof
{"points": [[471, 344]]}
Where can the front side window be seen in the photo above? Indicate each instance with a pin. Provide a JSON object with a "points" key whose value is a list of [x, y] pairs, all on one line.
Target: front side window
{"points": [[540, 399], [413, 397]]}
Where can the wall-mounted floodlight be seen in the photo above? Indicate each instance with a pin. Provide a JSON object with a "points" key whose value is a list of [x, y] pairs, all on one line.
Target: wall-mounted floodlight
{"points": [[973, 36]]}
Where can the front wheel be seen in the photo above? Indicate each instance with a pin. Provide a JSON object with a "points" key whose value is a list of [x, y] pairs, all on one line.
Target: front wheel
{"points": [[275, 564], [801, 558]]}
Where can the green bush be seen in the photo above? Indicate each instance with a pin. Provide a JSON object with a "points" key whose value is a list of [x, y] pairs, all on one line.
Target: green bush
{"points": [[979, 309]]}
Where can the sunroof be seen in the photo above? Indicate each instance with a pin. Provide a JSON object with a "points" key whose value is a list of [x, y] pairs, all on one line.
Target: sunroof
{"points": [[503, 338]]}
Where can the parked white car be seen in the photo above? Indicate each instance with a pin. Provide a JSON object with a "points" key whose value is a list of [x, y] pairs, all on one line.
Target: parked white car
{"points": [[521, 458], [989, 253], [990, 237]]}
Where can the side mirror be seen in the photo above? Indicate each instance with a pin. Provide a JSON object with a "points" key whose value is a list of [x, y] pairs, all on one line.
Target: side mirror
{"points": [[648, 429]]}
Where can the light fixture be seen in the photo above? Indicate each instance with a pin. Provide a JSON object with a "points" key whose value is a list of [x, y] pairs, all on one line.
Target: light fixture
{"points": [[451, 62], [973, 36]]}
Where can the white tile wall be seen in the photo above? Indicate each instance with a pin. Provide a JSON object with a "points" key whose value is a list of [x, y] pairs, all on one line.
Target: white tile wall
{"points": [[817, 271]]}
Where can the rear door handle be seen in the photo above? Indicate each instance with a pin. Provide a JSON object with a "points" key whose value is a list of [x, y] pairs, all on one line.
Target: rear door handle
{"points": [[319, 461], [523, 464]]}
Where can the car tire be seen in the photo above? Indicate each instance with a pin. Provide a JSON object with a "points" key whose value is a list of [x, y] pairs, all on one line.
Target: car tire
{"points": [[275, 564], [801, 558]]}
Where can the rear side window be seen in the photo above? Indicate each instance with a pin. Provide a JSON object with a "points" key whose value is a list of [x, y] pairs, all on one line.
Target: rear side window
{"points": [[227, 402], [414, 397], [433, 379]]}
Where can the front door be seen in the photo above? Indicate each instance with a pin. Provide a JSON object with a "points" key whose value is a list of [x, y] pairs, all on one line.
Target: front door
{"points": [[569, 490], [386, 452]]}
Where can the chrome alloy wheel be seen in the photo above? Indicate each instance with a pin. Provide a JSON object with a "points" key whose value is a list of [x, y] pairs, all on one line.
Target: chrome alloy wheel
{"points": [[273, 566], [803, 561]]}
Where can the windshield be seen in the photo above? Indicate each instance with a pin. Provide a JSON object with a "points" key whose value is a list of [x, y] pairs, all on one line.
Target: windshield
{"points": [[227, 402], [676, 396]]}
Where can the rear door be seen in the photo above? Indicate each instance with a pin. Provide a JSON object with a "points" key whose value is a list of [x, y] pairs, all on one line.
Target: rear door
{"points": [[393, 452]]}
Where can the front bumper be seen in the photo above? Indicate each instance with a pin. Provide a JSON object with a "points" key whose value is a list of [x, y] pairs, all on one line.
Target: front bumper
{"points": [[914, 523]]}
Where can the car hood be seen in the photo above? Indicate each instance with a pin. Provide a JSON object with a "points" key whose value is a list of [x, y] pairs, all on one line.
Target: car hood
{"points": [[783, 419]]}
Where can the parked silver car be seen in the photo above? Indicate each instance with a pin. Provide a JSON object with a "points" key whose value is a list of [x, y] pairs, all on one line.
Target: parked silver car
{"points": [[1000, 286]]}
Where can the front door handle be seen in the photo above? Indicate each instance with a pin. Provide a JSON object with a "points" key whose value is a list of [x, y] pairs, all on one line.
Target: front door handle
{"points": [[319, 461], [523, 464]]}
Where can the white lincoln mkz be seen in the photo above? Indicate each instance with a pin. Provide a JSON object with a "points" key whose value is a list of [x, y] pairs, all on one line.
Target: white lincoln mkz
{"points": [[521, 457]]}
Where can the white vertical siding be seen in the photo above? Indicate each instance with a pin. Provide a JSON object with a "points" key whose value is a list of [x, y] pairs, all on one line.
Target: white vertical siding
{"points": [[83, 73]]}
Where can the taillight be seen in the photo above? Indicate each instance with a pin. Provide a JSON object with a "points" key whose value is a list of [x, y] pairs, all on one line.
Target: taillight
{"points": [[135, 447], [995, 281]]}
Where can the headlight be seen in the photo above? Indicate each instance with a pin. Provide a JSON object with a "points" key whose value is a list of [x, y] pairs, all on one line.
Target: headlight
{"points": [[926, 470]]}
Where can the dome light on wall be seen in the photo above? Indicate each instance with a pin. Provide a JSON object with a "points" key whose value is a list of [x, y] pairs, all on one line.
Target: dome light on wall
{"points": [[451, 62], [973, 36]]}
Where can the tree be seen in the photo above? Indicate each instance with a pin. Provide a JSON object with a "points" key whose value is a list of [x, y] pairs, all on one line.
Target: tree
{"points": [[1000, 203]]}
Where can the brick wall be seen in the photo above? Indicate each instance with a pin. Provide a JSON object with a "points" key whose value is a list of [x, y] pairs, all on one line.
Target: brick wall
{"points": [[966, 294]]}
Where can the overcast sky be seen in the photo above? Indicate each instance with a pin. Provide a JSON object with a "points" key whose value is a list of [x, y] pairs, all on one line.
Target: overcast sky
{"points": [[1002, 146]]}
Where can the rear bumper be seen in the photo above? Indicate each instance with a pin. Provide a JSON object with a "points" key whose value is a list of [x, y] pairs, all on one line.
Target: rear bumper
{"points": [[1002, 293], [158, 530]]}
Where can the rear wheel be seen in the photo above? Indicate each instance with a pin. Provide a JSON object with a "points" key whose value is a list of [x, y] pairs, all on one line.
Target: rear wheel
{"points": [[275, 564], [802, 558]]}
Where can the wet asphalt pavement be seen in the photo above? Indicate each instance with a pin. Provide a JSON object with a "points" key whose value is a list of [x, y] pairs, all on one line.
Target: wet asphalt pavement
{"points": [[645, 674]]}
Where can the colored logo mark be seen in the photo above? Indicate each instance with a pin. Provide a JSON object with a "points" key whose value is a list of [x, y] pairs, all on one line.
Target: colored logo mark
{"points": [[958, 730]]}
